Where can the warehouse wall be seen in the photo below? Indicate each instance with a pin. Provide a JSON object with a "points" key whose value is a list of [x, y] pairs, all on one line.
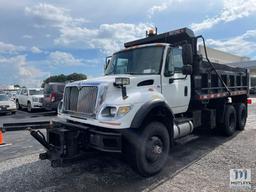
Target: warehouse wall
{"points": [[220, 56]]}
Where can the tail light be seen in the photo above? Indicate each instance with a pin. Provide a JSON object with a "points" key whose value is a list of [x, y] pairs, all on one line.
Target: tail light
{"points": [[53, 97]]}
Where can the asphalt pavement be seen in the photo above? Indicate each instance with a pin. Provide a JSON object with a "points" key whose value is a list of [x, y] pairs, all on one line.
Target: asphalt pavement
{"points": [[197, 163]]}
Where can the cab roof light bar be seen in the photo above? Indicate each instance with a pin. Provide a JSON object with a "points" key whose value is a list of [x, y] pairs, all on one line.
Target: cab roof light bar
{"points": [[172, 37]]}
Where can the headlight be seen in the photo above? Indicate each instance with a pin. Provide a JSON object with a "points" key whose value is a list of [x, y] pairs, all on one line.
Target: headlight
{"points": [[123, 110], [109, 111], [34, 99], [112, 111]]}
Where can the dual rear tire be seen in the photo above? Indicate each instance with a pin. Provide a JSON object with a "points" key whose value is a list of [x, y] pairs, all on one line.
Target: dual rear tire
{"points": [[234, 118]]}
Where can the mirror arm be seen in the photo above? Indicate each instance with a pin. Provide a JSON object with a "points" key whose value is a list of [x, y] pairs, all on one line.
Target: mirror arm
{"points": [[181, 78]]}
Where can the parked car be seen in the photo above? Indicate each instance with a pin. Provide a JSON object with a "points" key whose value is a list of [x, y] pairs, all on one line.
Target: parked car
{"points": [[12, 95], [53, 93], [29, 98], [6, 105]]}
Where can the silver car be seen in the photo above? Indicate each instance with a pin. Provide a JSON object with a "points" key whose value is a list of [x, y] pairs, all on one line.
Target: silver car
{"points": [[6, 105]]}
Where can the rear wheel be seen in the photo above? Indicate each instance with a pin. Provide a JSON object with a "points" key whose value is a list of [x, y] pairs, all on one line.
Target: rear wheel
{"points": [[241, 116], [151, 149], [229, 125]]}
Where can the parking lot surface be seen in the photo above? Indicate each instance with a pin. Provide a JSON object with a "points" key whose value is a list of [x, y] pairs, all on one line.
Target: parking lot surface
{"points": [[197, 163]]}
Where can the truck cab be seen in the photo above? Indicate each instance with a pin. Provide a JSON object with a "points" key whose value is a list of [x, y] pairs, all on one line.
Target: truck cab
{"points": [[146, 73], [157, 89]]}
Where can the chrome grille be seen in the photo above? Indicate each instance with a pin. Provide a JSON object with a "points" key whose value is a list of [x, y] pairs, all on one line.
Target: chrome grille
{"points": [[41, 100], [82, 100]]}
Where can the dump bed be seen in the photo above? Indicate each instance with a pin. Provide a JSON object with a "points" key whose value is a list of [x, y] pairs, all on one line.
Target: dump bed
{"points": [[207, 85]]}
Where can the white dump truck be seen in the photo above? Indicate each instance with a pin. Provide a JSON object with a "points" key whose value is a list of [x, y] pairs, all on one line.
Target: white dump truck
{"points": [[157, 89]]}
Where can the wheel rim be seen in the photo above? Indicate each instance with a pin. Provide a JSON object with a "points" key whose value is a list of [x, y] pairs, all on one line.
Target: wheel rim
{"points": [[154, 149], [29, 107], [17, 105]]}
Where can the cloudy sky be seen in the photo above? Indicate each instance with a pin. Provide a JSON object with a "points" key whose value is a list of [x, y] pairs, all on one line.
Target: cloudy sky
{"points": [[43, 38]]}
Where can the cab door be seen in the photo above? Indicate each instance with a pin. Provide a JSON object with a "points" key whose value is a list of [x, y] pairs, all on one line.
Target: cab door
{"points": [[175, 85]]}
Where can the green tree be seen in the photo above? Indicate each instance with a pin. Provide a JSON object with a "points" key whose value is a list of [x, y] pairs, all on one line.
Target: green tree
{"points": [[64, 78], [76, 77]]}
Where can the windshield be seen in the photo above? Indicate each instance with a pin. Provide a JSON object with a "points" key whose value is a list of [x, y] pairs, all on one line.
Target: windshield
{"points": [[146, 60], [36, 92], [3, 98]]}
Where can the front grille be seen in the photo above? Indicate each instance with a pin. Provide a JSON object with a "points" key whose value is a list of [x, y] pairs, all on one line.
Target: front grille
{"points": [[80, 100], [35, 99], [41, 100]]}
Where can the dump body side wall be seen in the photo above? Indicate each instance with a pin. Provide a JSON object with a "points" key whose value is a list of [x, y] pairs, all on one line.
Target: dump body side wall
{"points": [[207, 85]]}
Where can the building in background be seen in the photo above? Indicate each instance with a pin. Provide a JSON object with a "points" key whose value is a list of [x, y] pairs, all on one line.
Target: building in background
{"points": [[222, 57], [8, 88]]}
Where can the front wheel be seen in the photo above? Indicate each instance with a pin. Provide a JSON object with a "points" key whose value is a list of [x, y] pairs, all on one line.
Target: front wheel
{"points": [[17, 105], [152, 149], [29, 107]]}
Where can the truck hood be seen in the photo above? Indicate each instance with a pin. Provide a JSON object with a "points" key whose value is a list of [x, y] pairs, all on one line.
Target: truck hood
{"points": [[112, 95], [110, 79]]}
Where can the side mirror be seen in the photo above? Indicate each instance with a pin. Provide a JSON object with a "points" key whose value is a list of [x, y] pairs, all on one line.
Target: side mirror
{"points": [[187, 70], [108, 59], [187, 54]]}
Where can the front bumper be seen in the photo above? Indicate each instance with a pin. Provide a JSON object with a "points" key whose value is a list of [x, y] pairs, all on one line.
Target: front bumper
{"points": [[7, 110], [66, 144], [37, 105]]}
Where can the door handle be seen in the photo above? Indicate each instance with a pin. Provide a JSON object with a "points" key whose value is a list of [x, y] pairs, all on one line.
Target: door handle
{"points": [[171, 80], [186, 91]]}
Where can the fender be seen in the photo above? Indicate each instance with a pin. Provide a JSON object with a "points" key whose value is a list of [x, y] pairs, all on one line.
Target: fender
{"points": [[146, 108]]}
